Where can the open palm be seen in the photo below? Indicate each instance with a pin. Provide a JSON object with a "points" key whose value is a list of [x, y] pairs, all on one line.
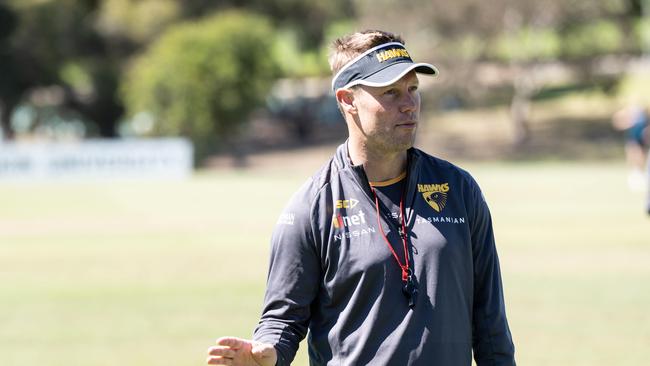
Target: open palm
{"points": [[233, 351]]}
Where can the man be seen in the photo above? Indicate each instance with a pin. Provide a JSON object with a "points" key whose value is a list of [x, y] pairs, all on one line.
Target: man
{"points": [[386, 254], [633, 119]]}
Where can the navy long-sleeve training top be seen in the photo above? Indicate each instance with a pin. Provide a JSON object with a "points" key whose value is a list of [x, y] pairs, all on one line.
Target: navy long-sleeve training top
{"points": [[332, 273]]}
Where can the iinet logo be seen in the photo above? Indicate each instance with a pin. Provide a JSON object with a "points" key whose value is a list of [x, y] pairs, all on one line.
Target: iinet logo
{"points": [[347, 221]]}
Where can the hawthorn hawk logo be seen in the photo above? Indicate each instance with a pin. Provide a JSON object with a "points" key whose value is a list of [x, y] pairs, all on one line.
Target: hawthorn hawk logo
{"points": [[435, 195]]}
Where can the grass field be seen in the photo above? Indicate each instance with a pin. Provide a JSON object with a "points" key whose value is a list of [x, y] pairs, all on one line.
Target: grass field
{"points": [[150, 273]]}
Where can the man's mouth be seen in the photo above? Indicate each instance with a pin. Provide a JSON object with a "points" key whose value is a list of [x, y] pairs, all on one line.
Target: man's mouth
{"points": [[407, 124]]}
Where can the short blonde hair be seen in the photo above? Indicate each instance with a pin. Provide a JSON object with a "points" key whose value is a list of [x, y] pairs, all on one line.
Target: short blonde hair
{"points": [[352, 45]]}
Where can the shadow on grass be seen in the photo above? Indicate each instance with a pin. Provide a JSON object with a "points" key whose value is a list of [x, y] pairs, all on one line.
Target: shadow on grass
{"points": [[571, 139], [550, 139]]}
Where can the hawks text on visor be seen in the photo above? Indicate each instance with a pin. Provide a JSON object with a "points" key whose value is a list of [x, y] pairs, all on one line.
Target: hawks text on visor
{"points": [[379, 66]]}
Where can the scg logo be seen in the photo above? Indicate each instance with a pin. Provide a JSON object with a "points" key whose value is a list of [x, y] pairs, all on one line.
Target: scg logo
{"points": [[346, 203]]}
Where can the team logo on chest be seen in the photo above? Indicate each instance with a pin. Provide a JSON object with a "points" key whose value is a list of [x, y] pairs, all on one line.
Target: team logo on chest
{"points": [[435, 195]]}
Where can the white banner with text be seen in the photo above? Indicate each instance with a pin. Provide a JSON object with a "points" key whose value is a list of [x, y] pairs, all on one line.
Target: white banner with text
{"points": [[170, 158]]}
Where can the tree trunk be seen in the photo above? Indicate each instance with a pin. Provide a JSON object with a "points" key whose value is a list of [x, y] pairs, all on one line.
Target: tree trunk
{"points": [[520, 116], [524, 88], [6, 109]]}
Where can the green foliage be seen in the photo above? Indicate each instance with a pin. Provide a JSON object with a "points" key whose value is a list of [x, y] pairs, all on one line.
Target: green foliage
{"points": [[139, 20], [48, 34], [642, 34], [527, 44], [309, 18], [202, 79], [634, 88], [293, 61], [296, 60], [469, 47], [83, 46], [591, 39], [77, 76], [56, 43], [575, 42]]}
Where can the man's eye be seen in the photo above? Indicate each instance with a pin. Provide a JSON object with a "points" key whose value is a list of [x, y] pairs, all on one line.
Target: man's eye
{"points": [[413, 88], [390, 92]]}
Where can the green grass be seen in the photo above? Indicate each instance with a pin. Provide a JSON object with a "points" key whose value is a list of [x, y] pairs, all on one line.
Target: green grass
{"points": [[150, 273]]}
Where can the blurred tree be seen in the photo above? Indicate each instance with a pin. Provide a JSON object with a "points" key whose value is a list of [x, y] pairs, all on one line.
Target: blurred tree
{"points": [[301, 26], [55, 43], [81, 47], [136, 22], [307, 19], [202, 79], [10, 83], [521, 36]]}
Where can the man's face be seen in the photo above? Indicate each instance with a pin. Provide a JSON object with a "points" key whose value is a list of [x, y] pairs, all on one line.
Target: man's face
{"points": [[388, 116]]}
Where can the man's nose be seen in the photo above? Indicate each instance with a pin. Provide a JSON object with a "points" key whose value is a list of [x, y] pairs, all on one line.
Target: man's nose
{"points": [[409, 103]]}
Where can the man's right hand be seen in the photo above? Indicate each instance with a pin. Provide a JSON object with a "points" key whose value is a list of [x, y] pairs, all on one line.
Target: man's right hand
{"points": [[233, 351]]}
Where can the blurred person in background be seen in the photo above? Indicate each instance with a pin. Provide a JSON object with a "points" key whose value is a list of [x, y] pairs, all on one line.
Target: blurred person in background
{"points": [[633, 119], [386, 254]]}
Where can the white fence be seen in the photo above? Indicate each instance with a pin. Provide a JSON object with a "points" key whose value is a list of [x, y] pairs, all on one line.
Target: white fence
{"points": [[97, 159]]}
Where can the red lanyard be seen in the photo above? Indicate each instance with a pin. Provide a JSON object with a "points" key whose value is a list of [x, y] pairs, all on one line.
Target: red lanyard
{"points": [[405, 266]]}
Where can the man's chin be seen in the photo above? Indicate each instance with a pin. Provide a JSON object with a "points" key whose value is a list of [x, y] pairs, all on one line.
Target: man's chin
{"points": [[398, 147]]}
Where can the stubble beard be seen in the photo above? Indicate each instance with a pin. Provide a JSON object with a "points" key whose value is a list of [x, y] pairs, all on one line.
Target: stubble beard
{"points": [[388, 144]]}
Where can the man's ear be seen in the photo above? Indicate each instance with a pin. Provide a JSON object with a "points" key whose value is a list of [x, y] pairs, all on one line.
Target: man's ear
{"points": [[345, 97]]}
